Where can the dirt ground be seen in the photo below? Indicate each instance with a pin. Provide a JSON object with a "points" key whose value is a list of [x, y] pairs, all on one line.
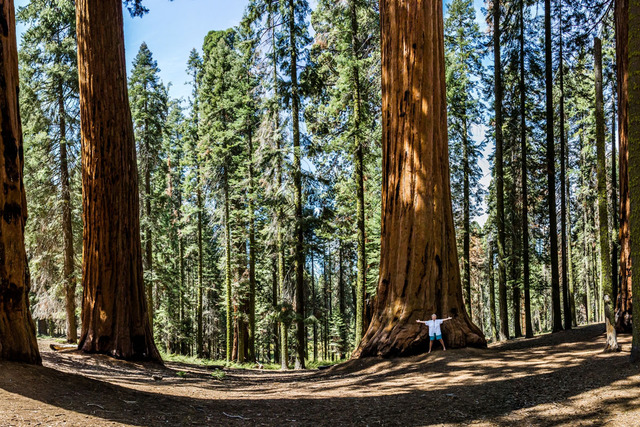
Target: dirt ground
{"points": [[560, 379]]}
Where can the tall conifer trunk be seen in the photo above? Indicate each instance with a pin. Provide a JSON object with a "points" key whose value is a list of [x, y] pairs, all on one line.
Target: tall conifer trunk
{"points": [[499, 175], [359, 176], [563, 196], [297, 178], [114, 313], [623, 303], [419, 270], [603, 214], [551, 175], [466, 220], [634, 158], [615, 277], [67, 226], [17, 329], [525, 189]]}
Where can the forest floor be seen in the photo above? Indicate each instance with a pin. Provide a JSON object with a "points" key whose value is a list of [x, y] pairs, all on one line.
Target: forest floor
{"points": [[559, 379]]}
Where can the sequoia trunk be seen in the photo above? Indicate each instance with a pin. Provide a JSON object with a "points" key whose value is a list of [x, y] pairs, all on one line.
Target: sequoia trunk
{"points": [[114, 310], [634, 158], [419, 270], [623, 303], [17, 329]]}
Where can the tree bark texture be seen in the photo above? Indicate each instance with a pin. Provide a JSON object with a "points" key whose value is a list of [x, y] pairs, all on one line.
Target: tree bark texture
{"points": [[499, 176], [623, 303], [67, 226], [17, 329], [634, 158], [114, 311], [605, 279], [551, 176], [419, 270]]}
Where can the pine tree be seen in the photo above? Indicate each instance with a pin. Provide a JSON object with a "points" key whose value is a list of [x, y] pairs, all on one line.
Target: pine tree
{"points": [[343, 66], [218, 99], [464, 70], [149, 103], [612, 343], [551, 174], [499, 172], [50, 80]]}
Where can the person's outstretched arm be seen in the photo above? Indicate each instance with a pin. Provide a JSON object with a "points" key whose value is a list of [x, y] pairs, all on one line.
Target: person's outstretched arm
{"points": [[421, 321], [448, 318]]}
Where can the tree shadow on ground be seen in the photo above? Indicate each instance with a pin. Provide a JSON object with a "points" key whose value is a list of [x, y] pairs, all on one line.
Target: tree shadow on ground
{"points": [[491, 386]]}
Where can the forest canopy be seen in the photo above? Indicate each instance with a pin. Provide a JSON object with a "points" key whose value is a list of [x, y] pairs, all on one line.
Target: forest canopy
{"points": [[263, 218]]}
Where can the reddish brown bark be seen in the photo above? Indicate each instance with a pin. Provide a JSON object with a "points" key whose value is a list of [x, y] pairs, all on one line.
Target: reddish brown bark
{"points": [[623, 303], [17, 329], [419, 270], [114, 310]]}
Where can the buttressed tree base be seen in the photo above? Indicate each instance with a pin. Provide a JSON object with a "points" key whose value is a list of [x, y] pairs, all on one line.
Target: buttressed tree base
{"points": [[419, 270]]}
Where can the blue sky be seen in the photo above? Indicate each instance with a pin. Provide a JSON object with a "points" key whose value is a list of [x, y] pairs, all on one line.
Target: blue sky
{"points": [[172, 28]]}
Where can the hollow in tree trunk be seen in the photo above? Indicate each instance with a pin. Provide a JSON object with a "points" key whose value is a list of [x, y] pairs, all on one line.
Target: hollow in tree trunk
{"points": [[17, 329], [114, 310], [419, 270]]}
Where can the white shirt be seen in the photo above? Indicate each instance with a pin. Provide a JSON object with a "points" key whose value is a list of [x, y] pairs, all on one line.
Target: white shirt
{"points": [[434, 326]]}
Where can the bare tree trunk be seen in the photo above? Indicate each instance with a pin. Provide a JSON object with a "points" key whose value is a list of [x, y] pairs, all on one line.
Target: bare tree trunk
{"points": [[623, 303], [466, 246], [634, 158], [297, 178], [67, 226], [199, 293], [492, 294], [551, 176], [314, 309], [572, 299], [563, 187], [525, 191], [499, 176], [114, 313], [359, 177], [419, 270], [147, 211], [605, 279], [615, 276], [17, 329], [274, 301], [251, 332], [227, 250]]}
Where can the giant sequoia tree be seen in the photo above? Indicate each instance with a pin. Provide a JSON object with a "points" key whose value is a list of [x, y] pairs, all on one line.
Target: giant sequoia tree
{"points": [[634, 156], [114, 310], [419, 271], [17, 330], [623, 303]]}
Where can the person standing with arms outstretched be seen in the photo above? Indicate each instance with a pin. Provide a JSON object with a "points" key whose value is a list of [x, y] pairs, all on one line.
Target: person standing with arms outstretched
{"points": [[434, 330]]}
